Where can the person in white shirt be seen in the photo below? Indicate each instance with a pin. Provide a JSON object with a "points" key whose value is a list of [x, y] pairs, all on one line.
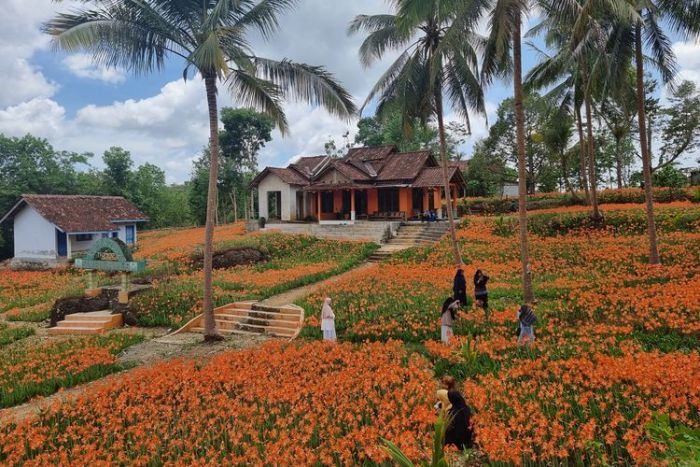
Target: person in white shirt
{"points": [[328, 321]]}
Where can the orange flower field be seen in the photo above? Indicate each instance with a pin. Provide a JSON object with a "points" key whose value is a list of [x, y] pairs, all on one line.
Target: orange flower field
{"points": [[617, 345]]}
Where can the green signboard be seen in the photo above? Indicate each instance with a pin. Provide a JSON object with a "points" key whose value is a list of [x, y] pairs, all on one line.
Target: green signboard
{"points": [[112, 255]]}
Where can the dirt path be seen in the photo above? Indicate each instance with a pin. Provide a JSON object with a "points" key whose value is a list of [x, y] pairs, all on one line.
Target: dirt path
{"points": [[293, 295]]}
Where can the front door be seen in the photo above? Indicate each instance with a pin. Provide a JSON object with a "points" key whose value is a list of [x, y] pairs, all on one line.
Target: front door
{"points": [[61, 243], [418, 200], [347, 202], [361, 202], [130, 234]]}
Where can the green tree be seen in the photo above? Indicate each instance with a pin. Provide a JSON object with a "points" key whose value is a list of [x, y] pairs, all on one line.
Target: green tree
{"points": [[436, 60], [117, 172], [681, 127], [212, 37]]}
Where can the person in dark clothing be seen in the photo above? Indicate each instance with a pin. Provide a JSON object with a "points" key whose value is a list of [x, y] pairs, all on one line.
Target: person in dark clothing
{"points": [[459, 287], [459, 431], [481, 294]]}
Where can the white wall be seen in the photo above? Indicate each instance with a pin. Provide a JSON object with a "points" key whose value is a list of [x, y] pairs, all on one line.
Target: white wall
{"points": [[274, 183], [35, 237]]}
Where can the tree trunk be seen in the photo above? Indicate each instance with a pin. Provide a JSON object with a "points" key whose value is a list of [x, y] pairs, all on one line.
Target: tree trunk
{"points": [[522, 173], [565, 173], [446, 178], [583, 163], [234, 203], [210, 333], [646, 156], [590, 145], [618, 164], [592, 176]]}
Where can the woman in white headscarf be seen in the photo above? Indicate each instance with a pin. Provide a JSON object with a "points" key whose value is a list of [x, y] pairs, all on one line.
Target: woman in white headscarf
{"points": [[328, 321]]}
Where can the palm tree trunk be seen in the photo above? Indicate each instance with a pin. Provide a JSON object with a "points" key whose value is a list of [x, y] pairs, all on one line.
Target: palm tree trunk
{"points": [[646, 156], [210, 333], [583, 158], [618, 163], [590, 144], [565, 174], [445, 177], [522, 173]]}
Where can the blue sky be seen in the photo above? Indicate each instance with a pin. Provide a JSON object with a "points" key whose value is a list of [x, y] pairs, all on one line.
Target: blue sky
{"points": [[162, 119]]}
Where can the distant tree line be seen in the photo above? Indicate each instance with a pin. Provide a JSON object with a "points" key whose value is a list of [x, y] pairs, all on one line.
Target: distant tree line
{"points": [[32, 165]]}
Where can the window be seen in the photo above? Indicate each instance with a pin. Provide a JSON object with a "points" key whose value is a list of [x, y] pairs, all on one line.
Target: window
{"points": [[327, 202], [105, 235], [83, 237], [115, 234], [388, 199]]}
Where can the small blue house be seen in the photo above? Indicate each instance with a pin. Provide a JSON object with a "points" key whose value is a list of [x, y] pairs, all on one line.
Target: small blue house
{"points": [[53, 228]]}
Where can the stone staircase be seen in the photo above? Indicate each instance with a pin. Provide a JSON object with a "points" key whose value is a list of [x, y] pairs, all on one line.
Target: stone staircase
{"points": [[96, 322], [253, 318], [410, 235]]}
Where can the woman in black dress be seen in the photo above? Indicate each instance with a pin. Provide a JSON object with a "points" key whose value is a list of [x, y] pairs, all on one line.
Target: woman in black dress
{"points": [[459, 287], [459, 431], [481, 294]]}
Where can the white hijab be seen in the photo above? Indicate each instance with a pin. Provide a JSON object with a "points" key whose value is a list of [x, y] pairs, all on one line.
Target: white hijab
{"points": [[327, 311]]}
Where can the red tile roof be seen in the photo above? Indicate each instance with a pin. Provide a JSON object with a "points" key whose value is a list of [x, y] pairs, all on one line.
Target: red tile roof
{"points": [[403, 165], [82, 213], [432, 176]]}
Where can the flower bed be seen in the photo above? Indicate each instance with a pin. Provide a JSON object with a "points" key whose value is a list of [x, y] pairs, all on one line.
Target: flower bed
{"points": [[308, 404], [28, 370]]}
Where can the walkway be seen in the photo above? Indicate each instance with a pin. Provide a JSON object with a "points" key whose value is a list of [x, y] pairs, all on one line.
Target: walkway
{"points": [[293, 295]]}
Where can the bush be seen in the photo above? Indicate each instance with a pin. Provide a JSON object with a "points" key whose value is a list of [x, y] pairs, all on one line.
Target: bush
{"points": [[557, 200]]}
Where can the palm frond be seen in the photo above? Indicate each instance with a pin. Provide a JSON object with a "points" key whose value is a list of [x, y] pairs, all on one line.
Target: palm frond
{"points": [[308, 83], [253, 92]]}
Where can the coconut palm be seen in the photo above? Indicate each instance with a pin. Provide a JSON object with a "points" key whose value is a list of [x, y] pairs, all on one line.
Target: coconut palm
{"points": [[436, 60], [682, 17], [504, 22], [211, 38]]}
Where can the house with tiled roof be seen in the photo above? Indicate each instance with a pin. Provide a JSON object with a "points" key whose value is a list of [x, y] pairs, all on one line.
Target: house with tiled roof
{"points": [[372, 183], [55, 227]]}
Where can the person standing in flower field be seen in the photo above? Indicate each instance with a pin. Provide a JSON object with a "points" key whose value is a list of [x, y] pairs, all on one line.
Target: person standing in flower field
{"points": [[459, 418], [481, 294], [449, 314], [526, 320], [459, 287], [328, 321]]}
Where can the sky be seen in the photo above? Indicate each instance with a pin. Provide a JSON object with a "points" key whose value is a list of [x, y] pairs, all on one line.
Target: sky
{"points": [[162, 119]]}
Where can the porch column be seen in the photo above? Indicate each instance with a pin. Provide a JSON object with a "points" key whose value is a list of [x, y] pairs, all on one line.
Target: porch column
{"points": [[318, 205], [69, 247], [352, 204], [438, 201]]}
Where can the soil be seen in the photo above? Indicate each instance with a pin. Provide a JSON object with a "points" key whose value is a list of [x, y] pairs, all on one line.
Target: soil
{"points": [[234, 257]]}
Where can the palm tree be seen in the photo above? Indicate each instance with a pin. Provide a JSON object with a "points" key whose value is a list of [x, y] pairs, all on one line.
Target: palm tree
{"points": [[682, 17], [437, 59], [505, 18], [211, 37]]}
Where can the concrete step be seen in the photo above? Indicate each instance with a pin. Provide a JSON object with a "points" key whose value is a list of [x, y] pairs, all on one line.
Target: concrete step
{"points": [[58, 331], [292, 318], [91, 316], [265, 322]]}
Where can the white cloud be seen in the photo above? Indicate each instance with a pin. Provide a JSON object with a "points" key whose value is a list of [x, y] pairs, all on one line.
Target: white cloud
{"points": [[688, 57], [83, 66], [19, 39]]}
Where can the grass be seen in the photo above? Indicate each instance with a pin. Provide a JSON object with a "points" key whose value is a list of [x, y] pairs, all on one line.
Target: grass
{"points": [[8, 335], [33, 314]]}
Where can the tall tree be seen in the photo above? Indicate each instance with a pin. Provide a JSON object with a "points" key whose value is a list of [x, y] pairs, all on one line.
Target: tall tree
{"points": [[681, 127], [504, 22], [438, 59], [117, 173], [211, 37]]}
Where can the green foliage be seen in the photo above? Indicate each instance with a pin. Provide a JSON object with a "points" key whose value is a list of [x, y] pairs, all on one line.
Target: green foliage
{"points": [[176, 299], [670, 177], [438, 458], [33, 314], [8, 335], [505, 226], [681, 444], [623, 222]]}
